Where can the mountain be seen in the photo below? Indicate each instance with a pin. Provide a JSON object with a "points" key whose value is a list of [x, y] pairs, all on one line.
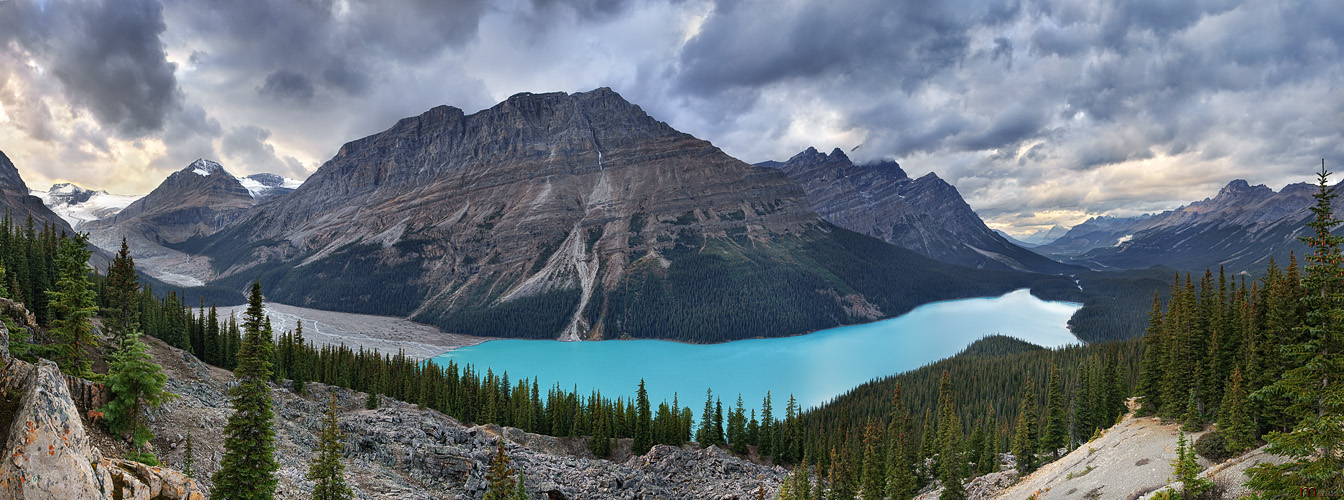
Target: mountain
{"points": [[18, 204], [1013, 240], [571, 216], [78, 205], [1042, 237], [926, 215], [194, 201], [1239, 229], [1097, 232]]}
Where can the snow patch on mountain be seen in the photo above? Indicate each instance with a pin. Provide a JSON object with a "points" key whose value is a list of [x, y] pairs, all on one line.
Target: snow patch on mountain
{"points": [[78, 205], [204, 167], [259, 185]]}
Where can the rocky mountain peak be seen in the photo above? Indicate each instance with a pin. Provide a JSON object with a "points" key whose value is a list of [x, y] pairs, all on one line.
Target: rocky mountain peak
{"points": [[926, 215], [9, 175], [204, 168]]}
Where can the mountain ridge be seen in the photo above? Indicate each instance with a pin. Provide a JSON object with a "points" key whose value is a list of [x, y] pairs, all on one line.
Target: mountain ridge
{"points": [[926, 214], [571, 213]]}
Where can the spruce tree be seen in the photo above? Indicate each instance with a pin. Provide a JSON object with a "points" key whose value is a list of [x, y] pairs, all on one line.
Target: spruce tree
{"points": [[767, 445], [73, 302], [900, 477], [718, 423], [1055, 434], [136, 383], [189, 458], [874, 483], [247, 471], [1235, 419], [1151, 376], [1024, 438], [705, 434], [123, 295], [951, 467], [326, 470], [1314, 386], [499, 481], [643, 423]]}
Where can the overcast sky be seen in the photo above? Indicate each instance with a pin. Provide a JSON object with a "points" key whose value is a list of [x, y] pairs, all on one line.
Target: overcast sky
{"points": [[1038, 111]]}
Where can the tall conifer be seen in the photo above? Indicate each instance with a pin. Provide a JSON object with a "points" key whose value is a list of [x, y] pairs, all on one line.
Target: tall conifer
{"points": [[247, 471], [1314, 386]]}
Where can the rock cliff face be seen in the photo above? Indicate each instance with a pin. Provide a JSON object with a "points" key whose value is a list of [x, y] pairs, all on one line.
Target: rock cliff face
{"points": [[926, 215], [540, 217], [48, 454], [19, 204]]}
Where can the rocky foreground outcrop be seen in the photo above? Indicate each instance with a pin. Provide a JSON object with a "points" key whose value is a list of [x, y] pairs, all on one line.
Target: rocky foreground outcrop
{"points": [[48, 454], [402, 451]]}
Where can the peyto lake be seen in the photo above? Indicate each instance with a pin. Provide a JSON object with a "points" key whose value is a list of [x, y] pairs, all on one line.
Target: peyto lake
{"points": [[814, 367]]}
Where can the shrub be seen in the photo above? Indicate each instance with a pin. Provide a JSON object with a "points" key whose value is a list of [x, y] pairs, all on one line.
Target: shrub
{"points": [[1213, 446]]}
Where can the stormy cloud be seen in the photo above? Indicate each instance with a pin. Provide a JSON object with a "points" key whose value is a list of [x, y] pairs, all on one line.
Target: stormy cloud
{"points": [[1038, 111]]}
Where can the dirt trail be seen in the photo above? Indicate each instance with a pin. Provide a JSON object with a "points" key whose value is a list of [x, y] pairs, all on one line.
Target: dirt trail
{"points": [[1131, 461]]}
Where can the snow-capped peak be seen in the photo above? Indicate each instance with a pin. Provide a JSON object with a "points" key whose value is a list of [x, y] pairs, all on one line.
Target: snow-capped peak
{"points": [[65, 188], [204, 167], [78, 205]]}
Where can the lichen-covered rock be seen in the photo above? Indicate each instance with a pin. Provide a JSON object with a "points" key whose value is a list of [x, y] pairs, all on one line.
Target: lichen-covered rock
{"points": [[137, 480], [48, 455]]}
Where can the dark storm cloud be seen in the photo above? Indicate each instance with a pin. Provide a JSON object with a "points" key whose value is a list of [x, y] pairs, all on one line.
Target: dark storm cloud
{"points": [[304, 47], [755, 43], [106, 55], [589, 9], [287, 85]]}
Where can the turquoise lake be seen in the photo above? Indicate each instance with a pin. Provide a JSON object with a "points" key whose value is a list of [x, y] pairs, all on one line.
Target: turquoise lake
{"points": [[814, 368]]}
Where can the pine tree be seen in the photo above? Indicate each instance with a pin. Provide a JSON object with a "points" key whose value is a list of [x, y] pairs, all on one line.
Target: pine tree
{"points": [[951, 466], [1055, 435], [499, 480], [643, 423], [123, 295], [73, 302], [247, 471], [1313, 387], [737, 428], [520, 492], [900, 479], [1151, 377], [718, 423], [1024, 438], [766, 447], [371, 400], [189, 458], [1235, 420], [1187, 470], [136, 384], [326, 470], [1193, 422], [874, 483], [705, 434]]}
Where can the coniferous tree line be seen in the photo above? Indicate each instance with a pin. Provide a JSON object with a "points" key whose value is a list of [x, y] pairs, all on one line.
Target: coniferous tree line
{"points": [[1261, 360]]}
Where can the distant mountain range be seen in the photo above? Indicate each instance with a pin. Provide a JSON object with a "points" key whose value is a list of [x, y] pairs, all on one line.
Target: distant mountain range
{"points": [[1239, 229], [926, 215], [78, 205]]}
